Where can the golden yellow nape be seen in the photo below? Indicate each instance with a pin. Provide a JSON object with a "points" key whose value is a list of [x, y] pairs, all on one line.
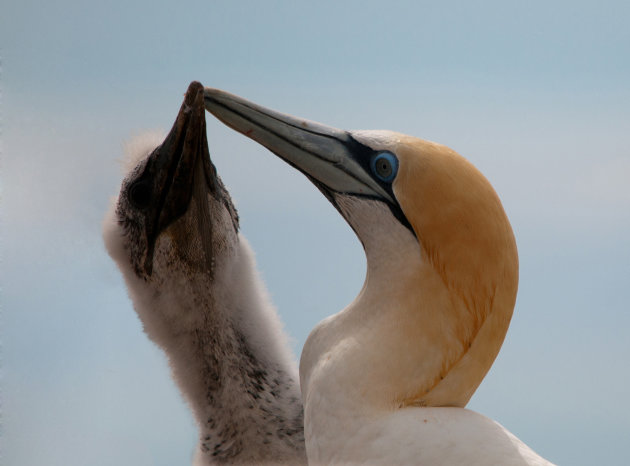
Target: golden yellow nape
{"points": [[466, 238]]}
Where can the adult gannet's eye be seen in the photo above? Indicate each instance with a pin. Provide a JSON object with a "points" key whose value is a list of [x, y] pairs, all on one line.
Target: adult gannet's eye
{"points": [[140, 194], [385, 166]]}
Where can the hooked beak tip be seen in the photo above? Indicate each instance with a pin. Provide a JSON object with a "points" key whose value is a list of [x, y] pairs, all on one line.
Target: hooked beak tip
{"points": [[194, 88]]}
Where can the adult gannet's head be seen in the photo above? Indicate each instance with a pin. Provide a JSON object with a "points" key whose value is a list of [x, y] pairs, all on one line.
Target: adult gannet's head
{"points": [[442, 261], [173, 220]]}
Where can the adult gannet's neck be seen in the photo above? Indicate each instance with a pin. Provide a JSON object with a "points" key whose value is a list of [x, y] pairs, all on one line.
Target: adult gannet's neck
{"points": [[403, 342], [382, 328]]}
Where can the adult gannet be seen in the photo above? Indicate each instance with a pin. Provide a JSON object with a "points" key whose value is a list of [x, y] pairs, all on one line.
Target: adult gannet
{"points": [[385, 380], [174, 234]]}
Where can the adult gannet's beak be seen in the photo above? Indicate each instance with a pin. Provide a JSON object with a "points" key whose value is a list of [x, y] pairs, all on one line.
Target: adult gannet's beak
{"points": [[330, 157]]}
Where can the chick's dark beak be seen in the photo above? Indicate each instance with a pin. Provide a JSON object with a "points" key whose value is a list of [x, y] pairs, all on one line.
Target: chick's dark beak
{"points": [[184, 150], [178, 169]]}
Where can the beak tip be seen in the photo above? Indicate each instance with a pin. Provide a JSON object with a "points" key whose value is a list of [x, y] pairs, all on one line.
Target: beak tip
{"points": [[213, 96], [194, 95], [209, 94], [193, 88]]}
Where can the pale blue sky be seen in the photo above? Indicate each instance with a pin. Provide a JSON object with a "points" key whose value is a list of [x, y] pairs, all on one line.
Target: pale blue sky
{"points": [[536, 94]]}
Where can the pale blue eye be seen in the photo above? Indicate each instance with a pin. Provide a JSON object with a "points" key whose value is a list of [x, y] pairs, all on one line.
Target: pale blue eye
{"points": [[384, 166]]}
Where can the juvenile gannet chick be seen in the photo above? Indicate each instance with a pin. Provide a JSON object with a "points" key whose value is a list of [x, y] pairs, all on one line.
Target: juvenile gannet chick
{"points": [[385, 380], [174, 234]]}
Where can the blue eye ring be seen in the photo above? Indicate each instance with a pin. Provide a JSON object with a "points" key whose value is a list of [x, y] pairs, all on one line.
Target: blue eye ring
{"points": [[384, 165]]}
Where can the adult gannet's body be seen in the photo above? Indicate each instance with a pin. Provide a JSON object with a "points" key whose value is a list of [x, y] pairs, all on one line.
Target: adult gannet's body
{"points": [[385, 380], [174, 234]]}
